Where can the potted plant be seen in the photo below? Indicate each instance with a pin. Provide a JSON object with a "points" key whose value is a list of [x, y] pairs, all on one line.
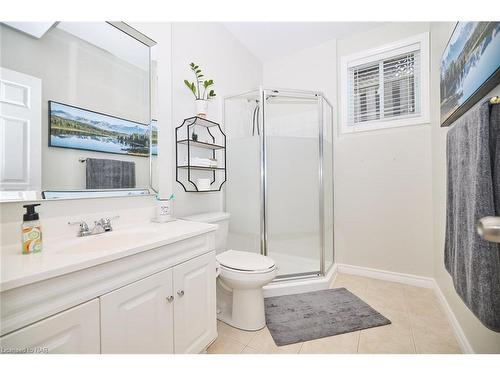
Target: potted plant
{"points": [[200, 89]]}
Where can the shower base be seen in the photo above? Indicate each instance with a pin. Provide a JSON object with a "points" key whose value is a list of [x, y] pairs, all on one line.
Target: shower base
{"points": [[289, 264], [281, 287]]}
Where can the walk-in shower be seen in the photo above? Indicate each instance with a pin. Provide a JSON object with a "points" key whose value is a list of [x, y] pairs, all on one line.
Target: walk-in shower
{"points": [[280, 178]]}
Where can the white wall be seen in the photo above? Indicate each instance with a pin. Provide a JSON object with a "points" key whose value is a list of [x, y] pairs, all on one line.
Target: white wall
{"points": [[383, 184], [480, 338], [233, 68], [309, 69]]}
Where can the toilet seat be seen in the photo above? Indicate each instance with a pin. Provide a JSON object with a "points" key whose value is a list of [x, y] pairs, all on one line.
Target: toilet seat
{"points": [[245, 262], [242, 272]]}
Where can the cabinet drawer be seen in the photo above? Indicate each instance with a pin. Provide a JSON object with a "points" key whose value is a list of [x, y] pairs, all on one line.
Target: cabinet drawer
{"points": [[74, 331]]}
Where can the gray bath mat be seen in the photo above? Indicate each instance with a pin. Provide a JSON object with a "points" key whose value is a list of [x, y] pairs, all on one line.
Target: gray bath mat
{"points": [[308, 316]]}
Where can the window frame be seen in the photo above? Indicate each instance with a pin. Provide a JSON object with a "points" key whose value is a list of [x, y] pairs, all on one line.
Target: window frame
{"points": [[385, 52]]}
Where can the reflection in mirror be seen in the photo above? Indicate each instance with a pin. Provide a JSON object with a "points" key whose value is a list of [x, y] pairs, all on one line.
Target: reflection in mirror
{"points": [[75, 110]]}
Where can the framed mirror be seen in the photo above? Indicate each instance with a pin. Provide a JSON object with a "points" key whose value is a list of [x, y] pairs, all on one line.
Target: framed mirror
{"points": [[75, 113]]}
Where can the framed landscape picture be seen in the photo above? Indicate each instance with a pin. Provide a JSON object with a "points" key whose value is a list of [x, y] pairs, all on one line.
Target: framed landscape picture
{"points": [[470, 67], [154, 137], [78, 128]]}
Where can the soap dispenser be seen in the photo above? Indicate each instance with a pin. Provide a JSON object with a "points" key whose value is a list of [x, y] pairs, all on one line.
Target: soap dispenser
{"points": [[31, 230]]}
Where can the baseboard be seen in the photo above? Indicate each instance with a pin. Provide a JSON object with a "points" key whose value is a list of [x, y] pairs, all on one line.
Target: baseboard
{"points": [[404, 278], [420, 281], [457, 328], [334, 272]]}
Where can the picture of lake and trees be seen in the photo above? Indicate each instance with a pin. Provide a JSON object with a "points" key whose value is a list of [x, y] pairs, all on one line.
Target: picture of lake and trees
{"points": [[469, 60], [73, 127]]}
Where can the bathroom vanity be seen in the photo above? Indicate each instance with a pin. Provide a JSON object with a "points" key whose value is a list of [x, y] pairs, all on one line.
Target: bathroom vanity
{"points": [[144, 289]]}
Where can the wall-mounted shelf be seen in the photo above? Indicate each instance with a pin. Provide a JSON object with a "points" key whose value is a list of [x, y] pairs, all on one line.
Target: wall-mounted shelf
{"points": [[211, 144], [201, 168]]}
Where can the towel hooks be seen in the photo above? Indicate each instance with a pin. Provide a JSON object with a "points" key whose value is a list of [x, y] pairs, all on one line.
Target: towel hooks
{"points": [[83, 160]]}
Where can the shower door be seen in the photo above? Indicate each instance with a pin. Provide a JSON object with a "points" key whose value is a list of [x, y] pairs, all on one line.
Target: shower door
{"points": [[243, 164], [292, 147]]}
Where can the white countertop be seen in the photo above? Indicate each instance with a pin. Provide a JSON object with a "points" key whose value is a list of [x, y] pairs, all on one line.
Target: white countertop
{"points": [[65, 255]]}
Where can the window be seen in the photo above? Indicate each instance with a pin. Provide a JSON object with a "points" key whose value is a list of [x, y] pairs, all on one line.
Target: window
{"points": [[386, 86]]}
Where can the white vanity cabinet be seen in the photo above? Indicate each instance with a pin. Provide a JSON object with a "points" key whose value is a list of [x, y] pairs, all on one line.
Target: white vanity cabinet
{"points": [[72, 331], [154, 298], [172, 311]]}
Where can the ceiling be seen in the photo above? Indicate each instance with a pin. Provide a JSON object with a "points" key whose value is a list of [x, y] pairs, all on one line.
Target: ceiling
{"points": [[269, 40]]}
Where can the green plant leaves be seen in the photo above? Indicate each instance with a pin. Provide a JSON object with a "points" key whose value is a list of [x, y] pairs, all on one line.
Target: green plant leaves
{"points": [[208, 83], [195, 88], [191, 87]]}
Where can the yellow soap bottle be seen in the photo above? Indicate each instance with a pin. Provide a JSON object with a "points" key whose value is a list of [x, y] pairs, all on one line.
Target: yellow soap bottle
{"points": [[31, 230]]}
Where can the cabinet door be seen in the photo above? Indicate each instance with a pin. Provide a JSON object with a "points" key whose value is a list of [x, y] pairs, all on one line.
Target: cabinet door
{"points": [[138, 318], [74, 331], [194, 309]]}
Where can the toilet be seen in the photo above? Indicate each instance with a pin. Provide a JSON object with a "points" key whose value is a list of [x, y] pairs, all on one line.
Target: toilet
{"points": [[241, 276]]}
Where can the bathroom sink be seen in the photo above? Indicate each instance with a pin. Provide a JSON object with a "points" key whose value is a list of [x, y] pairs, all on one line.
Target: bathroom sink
{"points": [[114, 240]]}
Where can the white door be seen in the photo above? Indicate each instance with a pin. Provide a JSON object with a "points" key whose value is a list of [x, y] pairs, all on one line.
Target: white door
{"points": [[20, 132], [194, 307], [138, 318], [74, 331]]}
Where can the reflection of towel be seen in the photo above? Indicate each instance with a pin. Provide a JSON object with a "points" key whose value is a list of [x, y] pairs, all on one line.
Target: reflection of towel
{"points": [[473, 163], [110, 174]]}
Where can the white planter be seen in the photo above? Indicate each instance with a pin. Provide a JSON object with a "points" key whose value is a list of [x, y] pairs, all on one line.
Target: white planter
{"points": [[201, 107]]}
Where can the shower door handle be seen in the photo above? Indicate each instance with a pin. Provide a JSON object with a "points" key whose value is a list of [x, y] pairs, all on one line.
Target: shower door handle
{"points": [[488, 228]]}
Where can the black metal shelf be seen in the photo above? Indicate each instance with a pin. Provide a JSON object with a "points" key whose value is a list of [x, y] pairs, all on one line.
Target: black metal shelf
{"points": [[218, 148], [199, 144], [201, 168], [200, 121]]}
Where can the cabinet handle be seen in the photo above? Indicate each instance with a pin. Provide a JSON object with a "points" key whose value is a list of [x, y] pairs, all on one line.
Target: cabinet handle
{"points": [[180, 293], [170, 298]]}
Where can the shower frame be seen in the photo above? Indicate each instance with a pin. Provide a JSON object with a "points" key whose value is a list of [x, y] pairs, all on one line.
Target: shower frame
{"points": [[263, 95]]}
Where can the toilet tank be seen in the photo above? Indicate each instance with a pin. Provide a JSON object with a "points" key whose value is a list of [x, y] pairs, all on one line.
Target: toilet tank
{"points": [[219, 218]]}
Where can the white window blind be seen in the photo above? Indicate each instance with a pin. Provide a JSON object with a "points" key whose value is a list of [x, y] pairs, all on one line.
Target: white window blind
{"points": [[384, 89]]}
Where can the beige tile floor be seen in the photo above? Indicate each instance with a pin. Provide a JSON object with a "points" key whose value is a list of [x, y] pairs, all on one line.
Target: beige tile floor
{"points": [[418, 326]]}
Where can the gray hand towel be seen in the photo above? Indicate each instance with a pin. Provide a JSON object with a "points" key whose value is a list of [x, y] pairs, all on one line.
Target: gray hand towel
{"points": [[110, 174], [473, 166]]}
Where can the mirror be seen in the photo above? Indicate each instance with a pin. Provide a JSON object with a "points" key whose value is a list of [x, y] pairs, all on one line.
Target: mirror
{"points": [[75, 112]]}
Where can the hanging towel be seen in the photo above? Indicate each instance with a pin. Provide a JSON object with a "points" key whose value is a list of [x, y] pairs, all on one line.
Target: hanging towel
{"points": [[473, 167], [110, 174], [495, 154]]}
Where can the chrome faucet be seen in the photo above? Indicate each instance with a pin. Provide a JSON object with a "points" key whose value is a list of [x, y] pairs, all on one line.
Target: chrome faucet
{"points": [[100, 226]]}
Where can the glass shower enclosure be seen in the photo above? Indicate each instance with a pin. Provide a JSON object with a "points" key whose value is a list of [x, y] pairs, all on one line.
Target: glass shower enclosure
{"points": [[279, 190]]}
